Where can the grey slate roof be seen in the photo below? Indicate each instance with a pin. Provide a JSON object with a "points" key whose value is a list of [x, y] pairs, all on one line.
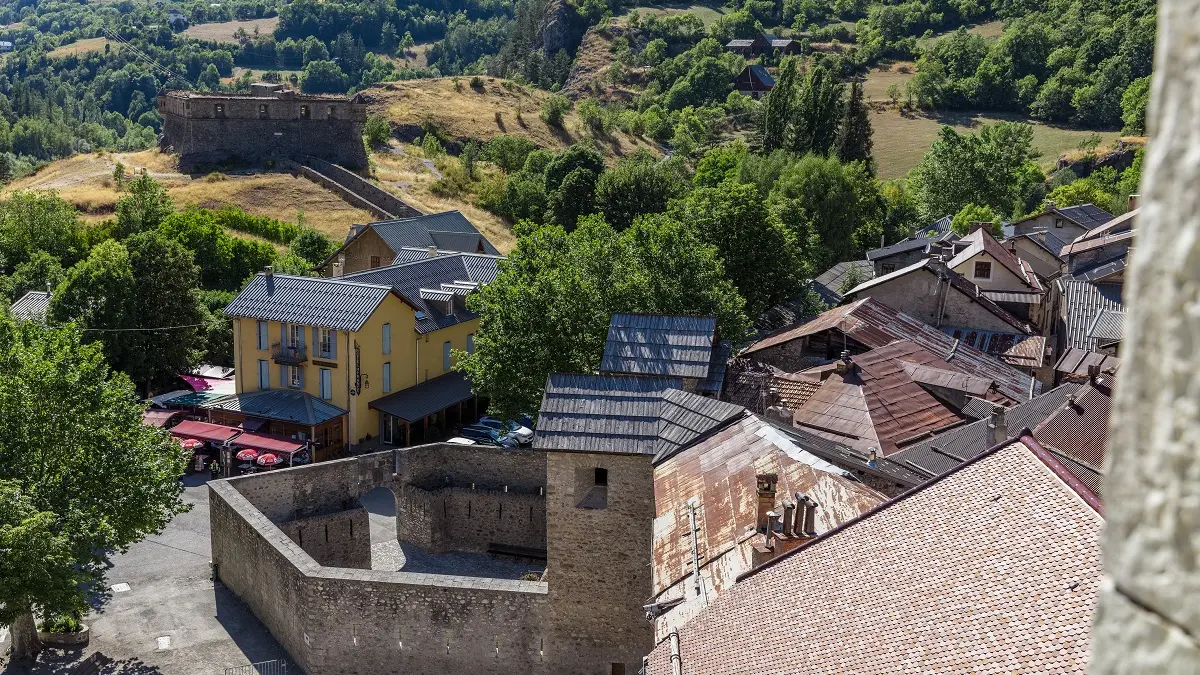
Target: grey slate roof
{"points": [[32, 306], [715, 381], [829, 284], [1102, 271], [647, 344], [626, 414], [426, 231], [899, 247], [739, 43], [407, 255], [939, 229], [941, 453], [602, 413], [431, 396], [1082, 302], [408, 279], [280, 404], [762, 74], [1086, 215], [331, 303]]}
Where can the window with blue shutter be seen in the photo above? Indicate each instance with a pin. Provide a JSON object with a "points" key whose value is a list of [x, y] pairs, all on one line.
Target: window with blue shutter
{"points": [[264, 374], [387, 377], [326, 384], [446, 355], [387, 338], [263, 338]]}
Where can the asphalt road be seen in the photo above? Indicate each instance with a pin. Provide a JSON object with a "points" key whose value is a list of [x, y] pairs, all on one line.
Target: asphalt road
{"points": [[171, 621]]}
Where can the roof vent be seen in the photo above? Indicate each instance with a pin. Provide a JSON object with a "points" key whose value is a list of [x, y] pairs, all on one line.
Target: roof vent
{"points": [[420, 315]]}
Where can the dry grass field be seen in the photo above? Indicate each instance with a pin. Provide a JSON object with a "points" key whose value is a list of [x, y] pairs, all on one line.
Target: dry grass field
{"points": [[465, 113], [86, 181], [223, 32], [708, 12], [95, 44]]}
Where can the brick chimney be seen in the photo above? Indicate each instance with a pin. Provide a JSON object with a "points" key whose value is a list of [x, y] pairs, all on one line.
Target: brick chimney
{"points": [[843, 364], [997, 426], [1133, 201], [766, 499]]}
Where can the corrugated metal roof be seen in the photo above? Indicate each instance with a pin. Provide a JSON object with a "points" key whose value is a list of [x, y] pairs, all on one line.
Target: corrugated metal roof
{"points": [[311, 301], [685, 417], [32, 306], [1017, 298], [944, 451], [933, 376], [1091, 243], [417, 402], [280, 404], [430, 273], [1107, 326], [407, 255], [645, 344], [874, 324], [1082, 302], [1086, 215], [1079, 430], [602, 413], [418, 232]]}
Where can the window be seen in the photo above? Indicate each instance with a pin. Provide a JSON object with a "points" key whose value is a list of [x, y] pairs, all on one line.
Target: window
{"points": [[264, 374], [295, 335], [591, 487], [331, 114], [601, 477], [387, 338], [375, 261], [470, 343], [446, 355], [887, 268], [294, 379], [304, 114], [262, 336], [983, 270], [262, 111], [387, 377], [219, 110], [326, 344], [616, 669], [1058, 222], [326, 384]]}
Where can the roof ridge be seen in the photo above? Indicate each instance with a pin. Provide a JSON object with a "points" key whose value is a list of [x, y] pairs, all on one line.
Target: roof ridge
{"points": [[1025, 438]]}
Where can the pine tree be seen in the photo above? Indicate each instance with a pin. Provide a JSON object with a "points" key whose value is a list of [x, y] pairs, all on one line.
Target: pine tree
{"points": [[817, 113], [854, 141]]}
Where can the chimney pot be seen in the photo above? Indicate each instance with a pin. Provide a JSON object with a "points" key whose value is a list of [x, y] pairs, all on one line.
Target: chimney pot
{"points": [[772, 519], [810, 518], [269, 270], [997, 426], [432, 251], [789, 511]]}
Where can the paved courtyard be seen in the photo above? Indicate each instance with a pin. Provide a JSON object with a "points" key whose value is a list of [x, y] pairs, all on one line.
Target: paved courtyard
{"points": [[171, 620]]}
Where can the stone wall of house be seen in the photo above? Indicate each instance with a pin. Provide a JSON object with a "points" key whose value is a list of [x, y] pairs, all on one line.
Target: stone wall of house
{"points": [[462, 518], [1068, 232], [599, 550], [359, 252], [1147, 619], [919, 295], [341, 539]]}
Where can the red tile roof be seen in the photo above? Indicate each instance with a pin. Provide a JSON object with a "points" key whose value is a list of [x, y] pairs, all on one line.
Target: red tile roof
{"points": [[991, 568]]}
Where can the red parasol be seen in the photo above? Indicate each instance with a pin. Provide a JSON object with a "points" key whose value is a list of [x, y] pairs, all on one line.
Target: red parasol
{"points": [[248, 455], [191, 444], [269, 459]]}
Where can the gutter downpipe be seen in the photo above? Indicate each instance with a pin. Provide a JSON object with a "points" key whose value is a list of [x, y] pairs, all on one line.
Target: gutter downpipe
{"points": [[676, 660]]}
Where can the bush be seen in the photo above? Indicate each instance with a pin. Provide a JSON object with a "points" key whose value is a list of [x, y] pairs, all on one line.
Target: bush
{"points": [[508, 152], [377, 131], [592, 116], [60, 624], [477, 83], [554, 108], [215, 177], [432, 147], [276, 231]]}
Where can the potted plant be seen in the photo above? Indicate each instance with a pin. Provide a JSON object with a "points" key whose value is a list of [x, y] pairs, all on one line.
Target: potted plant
{"points": [[63, 630]]}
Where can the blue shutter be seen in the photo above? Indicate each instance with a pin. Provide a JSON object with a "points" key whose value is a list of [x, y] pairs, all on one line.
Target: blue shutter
{"points": [[282, 334], [387, 338], [316, 343], [264, 374], [333, 338], [283, 378], [301, 371]]}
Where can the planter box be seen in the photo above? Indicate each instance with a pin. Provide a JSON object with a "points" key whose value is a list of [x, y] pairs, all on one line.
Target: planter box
{"points": [[66, 639]]}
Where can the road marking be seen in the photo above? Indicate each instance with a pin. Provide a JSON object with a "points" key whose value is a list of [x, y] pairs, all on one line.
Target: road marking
{"points": [[164, 642], [120, 588]]}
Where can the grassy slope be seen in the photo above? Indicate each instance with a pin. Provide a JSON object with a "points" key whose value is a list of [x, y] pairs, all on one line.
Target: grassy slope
{"points": [[79, 47], [223, 32], [86, 181], [708, 12]]}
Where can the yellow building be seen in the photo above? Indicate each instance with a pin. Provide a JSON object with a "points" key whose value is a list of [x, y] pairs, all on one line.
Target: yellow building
{"points": [[361, 359]]}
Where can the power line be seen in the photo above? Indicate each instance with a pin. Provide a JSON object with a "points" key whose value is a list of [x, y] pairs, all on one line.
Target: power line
{"points": [[127, 330]]}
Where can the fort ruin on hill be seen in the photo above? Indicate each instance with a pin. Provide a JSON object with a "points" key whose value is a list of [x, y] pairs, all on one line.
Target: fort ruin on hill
{"points": [[271, 123]]}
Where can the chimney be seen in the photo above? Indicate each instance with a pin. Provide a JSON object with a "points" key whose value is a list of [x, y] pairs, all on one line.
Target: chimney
{"points": [[1093, 373], [997, 426], [789, 510], [269, 276], [772, 519], [843, 365], [49, 292], [766, 499], [980, 225], [1133, 201], [432, 251], [798, 520], [337, 269], [872, 457], [810, 518]]}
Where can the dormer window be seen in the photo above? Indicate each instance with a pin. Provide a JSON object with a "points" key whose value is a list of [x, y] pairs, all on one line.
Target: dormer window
{"points": [[983, 269]]}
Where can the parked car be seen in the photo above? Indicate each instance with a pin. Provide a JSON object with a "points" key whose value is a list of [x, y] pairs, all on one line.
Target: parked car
{"points": [[459, 440], [488, 436], [523, 434]]}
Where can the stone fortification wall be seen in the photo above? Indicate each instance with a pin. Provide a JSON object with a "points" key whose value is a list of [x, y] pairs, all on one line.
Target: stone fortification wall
{"points": [[467, 519], [341, 539], [383, 201]]}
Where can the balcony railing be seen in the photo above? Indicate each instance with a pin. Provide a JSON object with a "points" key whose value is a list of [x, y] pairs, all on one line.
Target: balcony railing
{"points": [[290, 355]]}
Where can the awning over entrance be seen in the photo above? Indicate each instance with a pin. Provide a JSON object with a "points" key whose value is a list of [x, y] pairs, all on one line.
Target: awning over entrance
{"points": [[159, 418], [284, 405], [416, 403], [268, 443], [214, 433]]}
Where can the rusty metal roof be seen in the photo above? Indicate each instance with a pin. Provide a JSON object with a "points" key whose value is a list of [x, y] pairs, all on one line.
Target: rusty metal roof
{"points": [[874, 324], [719, 473], [1078, 431], [947, 379], [1075, 361], [878, 404]]}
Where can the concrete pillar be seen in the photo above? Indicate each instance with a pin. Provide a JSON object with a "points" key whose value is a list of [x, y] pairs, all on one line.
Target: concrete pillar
{"points": [[1148, 619]]}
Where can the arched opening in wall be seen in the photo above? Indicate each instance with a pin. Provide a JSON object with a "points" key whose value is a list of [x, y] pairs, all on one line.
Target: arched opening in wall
{"points": [[380, 504]]}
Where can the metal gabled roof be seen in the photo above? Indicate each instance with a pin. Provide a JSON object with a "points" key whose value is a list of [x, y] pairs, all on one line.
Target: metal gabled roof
{"points": [[311, 301], [1082, 302], [280, 404], [32, 306], [451, 228], [602, 413], [648, 344], [429, 273]]}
